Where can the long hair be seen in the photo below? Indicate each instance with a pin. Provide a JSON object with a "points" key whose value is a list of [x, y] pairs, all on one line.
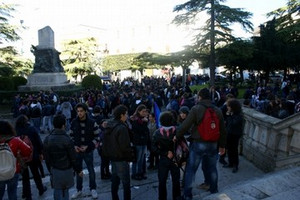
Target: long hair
{"points": [[235, 106], [21, 121], [139, 109], [6, 129]]}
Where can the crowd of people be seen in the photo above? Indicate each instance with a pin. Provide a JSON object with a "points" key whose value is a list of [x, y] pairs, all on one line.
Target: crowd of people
{"points": [[120, 122]]}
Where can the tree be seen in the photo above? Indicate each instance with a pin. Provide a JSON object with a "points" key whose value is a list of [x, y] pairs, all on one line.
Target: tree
{"points": [[269, 50], [119, 62], [7, 31], [11, 63], [236, 56], [217, 28], [287, 25], [80, 57]]}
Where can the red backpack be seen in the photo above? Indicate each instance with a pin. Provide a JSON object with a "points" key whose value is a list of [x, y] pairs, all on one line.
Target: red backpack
{"points": [[209, 128]]}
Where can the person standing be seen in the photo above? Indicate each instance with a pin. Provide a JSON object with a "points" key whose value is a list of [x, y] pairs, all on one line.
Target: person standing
{"points": [[164, 145], [17, 146], [140, 131], [60, 159], [85, 134], [234, 127], [23, 128], [200, 149], [116, 147]]}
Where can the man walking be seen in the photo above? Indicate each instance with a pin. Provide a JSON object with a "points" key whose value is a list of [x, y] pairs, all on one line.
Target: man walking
{"points": [[85, 135], [60, 159], [200, 149], [116, 146]]}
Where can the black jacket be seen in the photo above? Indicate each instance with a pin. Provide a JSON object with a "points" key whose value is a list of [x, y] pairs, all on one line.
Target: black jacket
{"points": [[140, 131], [90, 136], [162, 141], [116, 141], [59, 151], [234, 124], [34, 137]]}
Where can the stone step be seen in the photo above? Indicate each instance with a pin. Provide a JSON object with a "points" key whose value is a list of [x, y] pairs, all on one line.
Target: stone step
{"points": [[273, 186]]}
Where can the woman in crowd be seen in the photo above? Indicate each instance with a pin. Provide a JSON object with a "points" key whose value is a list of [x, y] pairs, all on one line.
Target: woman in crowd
{"points": [[17, 146], [234, 127], [140, 136], [23, 128], [153, 157]]}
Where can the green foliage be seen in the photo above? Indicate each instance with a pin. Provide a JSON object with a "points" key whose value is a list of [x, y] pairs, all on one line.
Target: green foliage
{"points": [[18, 81], [8, 32], [80, 57], [5, 71], [6, 84], [92, 82], [119, 62], [217, 28]]}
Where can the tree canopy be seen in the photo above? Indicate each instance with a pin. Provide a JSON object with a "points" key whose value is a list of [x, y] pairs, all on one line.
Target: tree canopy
{"points": [[80, 56], [217, 27]]}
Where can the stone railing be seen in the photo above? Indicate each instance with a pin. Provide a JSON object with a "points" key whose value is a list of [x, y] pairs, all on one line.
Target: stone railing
{"points": [[271, 143]]}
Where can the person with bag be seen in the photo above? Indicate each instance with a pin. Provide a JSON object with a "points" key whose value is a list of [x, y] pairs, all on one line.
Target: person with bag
{"points": [[208, 130], [116, 147], [10, 148], [60, 159], [164, 145], [25, 130]]}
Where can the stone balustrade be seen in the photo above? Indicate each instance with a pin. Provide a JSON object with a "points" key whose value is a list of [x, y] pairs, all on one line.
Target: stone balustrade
{"points": [[271, 143]]}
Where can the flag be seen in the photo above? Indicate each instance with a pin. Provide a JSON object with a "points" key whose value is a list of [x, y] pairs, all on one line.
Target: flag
{"points": [[157, 114]]}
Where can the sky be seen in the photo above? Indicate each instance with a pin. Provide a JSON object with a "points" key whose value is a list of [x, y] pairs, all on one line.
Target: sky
{"points": [[107, 18]]}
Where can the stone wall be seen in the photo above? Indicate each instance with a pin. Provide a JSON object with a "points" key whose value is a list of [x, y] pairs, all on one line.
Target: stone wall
{"points": [[271, 143]]}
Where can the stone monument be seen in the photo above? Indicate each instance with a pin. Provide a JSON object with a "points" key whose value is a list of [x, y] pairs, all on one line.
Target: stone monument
{"points": [[48, 72]]}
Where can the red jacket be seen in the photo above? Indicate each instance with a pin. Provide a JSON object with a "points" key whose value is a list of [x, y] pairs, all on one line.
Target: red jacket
{"points": [[17, 145]]}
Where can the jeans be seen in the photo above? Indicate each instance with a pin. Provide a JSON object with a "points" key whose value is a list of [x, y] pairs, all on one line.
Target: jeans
{"points": [[12, 185], [89, 161], [47, 121], [120, 171], [139, 165], [36, 122], [34, 168], [165, 165], [199, 151], [60, 194], [232, 147]]}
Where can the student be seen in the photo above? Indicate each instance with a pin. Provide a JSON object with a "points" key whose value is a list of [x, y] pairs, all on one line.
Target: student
{"points": [[60, 159], [163, 144], [199, 148], [116, 146], [7, 135], [85, 134]]}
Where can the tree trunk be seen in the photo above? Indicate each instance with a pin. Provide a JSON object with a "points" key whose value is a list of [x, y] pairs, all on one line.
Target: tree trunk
{"points": [[242, 75], [183, 76], [212, 66]]}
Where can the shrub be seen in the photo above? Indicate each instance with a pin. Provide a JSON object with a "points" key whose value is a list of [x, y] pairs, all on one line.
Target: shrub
{"points": [[92, 82], [18, 80], [6, 83]]}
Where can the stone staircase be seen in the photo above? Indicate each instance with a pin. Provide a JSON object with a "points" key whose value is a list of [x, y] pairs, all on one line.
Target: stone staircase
{"points": [[280, 185]]}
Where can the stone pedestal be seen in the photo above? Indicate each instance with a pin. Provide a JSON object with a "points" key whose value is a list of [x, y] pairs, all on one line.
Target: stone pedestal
{"points": [[46, 81]]}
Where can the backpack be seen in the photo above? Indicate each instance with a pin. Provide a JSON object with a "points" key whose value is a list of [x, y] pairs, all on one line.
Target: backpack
{"points": [[209, 128], [27, 141], [181, 149], [7, 162], [181, 152]]}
